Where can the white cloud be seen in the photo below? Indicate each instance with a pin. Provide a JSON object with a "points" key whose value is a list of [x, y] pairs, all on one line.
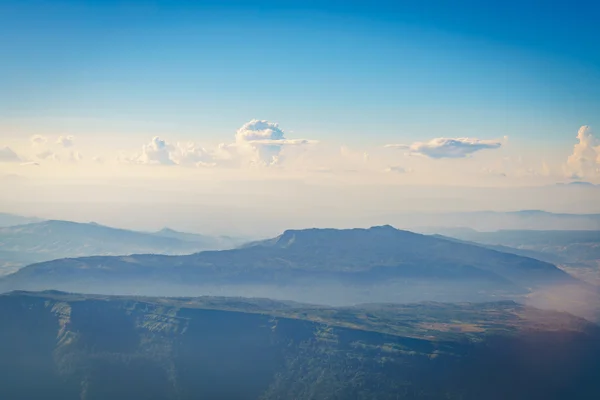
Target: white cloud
{"points": [[256, 143], [448, 147], [161, 152], [263, 141], [259, 130], [38, 140], [31, 163], [8, 155], [156, 152], [98, 159], [585, 160], [65, 141]]}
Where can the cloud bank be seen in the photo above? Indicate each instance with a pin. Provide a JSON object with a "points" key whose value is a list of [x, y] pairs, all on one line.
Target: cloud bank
{"points": [[448, 147]]}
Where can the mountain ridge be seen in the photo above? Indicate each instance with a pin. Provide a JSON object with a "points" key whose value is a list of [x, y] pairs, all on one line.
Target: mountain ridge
{"points": [[55, 239], [379, 262]]}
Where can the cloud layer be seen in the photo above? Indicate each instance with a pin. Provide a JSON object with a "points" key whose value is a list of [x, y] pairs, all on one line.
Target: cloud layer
{"points": [[448, 147]]}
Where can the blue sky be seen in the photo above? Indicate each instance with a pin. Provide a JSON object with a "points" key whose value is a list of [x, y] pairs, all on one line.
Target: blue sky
{"points": [[353, 73]]}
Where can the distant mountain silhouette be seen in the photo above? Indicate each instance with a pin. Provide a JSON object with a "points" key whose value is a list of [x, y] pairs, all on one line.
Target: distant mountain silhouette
{"points": [[13, 219], [359, 257], [48, 240], [560, 246], [538, 255], [496, 220]]}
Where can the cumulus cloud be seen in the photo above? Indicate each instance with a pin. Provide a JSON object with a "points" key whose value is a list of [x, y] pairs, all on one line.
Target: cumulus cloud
{"points": [[585, 160], [8, 155], [38, 140], [448, 147], [264, 141], [260, 142], [157, 152], [259, 130], [161, 152], [65, 141]]}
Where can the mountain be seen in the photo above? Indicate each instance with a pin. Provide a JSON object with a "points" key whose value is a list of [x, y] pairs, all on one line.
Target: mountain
{"points": [[495, 220], [48, 240], [187, 237], [538, 255], [567, 246], [215, 242], [577, 251], [67, 346], [13, 219], [316, 265], [578, 184]]}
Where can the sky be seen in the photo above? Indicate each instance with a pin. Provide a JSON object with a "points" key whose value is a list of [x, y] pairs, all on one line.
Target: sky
{"points": [[399, 93]]}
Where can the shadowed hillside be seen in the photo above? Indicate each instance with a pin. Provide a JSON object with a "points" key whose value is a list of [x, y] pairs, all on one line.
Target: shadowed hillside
{"points": [[95, 347]]}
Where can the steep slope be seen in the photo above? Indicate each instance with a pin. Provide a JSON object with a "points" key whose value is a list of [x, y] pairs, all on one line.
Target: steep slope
{"points": [[49, 240], [376, 264], [96, 347]]}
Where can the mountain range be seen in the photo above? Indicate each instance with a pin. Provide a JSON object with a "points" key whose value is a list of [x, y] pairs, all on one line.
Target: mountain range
{"points": [[48, 240]]}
